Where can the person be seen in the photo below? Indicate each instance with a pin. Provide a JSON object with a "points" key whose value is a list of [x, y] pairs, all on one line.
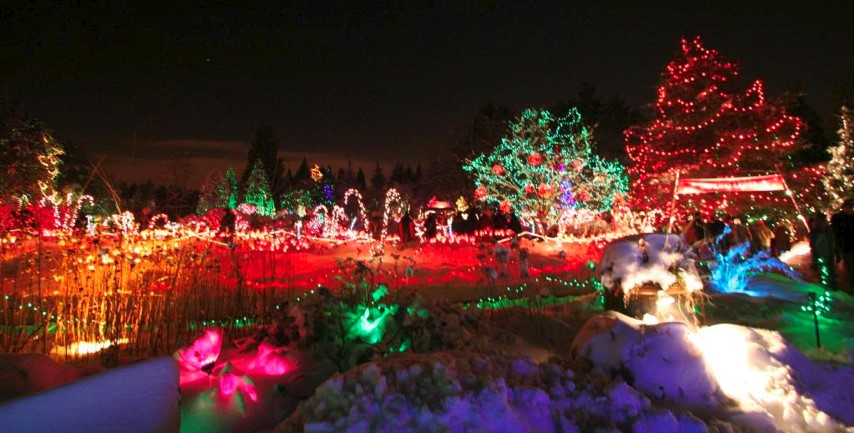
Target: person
{"points": [[782, 240], [695, 230], [738, 234], [406, 228], [430, 225], [822, 245], [842, 223], [227, 223], [762, 236]]}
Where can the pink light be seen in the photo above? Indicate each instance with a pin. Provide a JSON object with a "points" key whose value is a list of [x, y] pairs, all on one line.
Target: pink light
{"points": [[270, 360], [229, 383], [203, 352]]}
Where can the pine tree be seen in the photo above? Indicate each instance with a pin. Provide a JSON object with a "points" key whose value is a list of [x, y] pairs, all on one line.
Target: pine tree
{"points": [[839, 175], [361, 185], [545, 167], [378, 178], [258, 191], [232, 188], [707, 126], [214, 193], [29, 161]]}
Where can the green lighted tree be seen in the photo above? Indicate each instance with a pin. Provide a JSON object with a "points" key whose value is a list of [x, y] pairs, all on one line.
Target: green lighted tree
{"points": [[232, 188], [258, 191], [545, 167], [839, 175]]}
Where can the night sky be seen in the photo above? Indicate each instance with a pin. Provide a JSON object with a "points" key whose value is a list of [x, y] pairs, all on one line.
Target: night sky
{"points": [[372, 80]]}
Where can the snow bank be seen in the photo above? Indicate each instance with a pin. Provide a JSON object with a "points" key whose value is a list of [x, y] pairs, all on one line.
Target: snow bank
{"points": [[749, 376], [468, 392], [139, 398], [623, 262], [29, 373]]}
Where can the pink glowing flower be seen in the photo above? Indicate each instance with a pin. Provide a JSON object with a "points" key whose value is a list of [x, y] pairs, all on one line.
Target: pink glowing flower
{"points": [[203, 353], [229, 383], [270, 360]]}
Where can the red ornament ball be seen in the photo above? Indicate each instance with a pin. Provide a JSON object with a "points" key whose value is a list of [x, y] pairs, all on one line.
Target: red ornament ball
{"points": [[480, 193], [535, 159], [497, 169]]}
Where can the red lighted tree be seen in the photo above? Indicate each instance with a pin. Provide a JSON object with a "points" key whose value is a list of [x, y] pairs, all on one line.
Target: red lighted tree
{"points": [[708, 125]]}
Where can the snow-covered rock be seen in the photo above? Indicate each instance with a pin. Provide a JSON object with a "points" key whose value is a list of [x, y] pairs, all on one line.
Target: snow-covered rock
{"points": [[623, 262]]}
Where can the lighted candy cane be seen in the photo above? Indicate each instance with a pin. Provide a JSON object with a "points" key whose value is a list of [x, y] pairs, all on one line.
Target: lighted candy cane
{"points": [[391, 197], [352, 192]]}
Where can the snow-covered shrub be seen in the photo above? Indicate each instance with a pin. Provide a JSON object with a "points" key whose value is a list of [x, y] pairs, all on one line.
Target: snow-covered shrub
{"points": [[469, 392]]}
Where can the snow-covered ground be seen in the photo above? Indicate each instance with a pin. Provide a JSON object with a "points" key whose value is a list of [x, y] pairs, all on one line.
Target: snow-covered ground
{"points": [[566, 368]]}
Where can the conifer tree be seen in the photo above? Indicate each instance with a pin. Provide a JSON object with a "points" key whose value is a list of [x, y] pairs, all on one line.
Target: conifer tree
{"points": [[214, 193], [232, 188], [709, 125], [258, 191], [839, 175]]}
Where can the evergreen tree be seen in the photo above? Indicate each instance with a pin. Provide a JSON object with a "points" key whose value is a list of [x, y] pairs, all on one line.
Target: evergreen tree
{"points": [[232, 188], [545, 167], [398, 174], [265, 148], [839, 175], [29, 160], [361, 184], [258, 191], [214, 193], [708, 126], [378, 178], [303, 173]]}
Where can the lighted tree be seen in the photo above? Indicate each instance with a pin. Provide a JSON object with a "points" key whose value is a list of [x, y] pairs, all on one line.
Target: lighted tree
{"points": [[839, 175], [29, 161], [258, 191], [214, 193], [545, 167], [232, 187], [708, 125]]}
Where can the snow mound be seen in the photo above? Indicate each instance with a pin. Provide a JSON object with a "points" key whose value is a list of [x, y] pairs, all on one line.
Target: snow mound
{"points": [[139, 398], [623, 263], [659, 360], [469, 392], [749, 376], [29, 373]]}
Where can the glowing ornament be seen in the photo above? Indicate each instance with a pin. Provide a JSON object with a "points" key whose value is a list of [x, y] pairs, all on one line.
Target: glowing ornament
{"points": [[480, 193], [535, 159], [545, 191], [498, 170]]}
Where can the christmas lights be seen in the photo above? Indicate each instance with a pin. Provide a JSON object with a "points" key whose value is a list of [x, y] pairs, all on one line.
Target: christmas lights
{"points": [[839, 177], [706, 127], [545, 167]]}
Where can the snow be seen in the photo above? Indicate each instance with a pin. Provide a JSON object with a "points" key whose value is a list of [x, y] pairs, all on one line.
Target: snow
{"points": [[139, 398], [622, 262], [29, 373], [751, 377]]}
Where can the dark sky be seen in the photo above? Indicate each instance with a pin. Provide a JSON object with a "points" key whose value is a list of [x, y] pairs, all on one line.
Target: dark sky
{"points": [[373, 80]]}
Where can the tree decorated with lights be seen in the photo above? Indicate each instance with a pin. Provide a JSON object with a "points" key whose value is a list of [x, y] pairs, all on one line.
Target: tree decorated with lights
{"points": [[839, 175], [214, 193], [29, 161], [258, 191], [233, 188], [708, 125], [545, 167]]}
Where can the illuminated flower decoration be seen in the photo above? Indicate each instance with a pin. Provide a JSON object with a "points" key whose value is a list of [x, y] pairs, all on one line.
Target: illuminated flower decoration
{"points": [[203, 353], [497, 169], [480, 193], [545, 190], [535, 159], [270, 360], [529, 189], [505, 207], [230, 382]]}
